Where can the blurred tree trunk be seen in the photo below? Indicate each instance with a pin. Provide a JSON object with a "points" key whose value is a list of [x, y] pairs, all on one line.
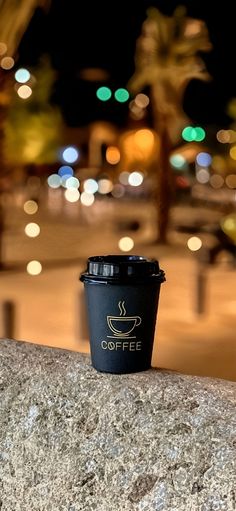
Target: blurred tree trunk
{"points": [[164, 187], [164, 176]]}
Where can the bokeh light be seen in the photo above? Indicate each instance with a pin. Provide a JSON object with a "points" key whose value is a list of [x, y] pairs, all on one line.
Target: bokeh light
{"points": [[24, 91], [228, 225], [90, 185], [54, 181], [126, 244], [32, 230], [178, 161], [142, 100], [121, 95], [135, 178], [34, 267], [72, 194], [65, 170], [194, 243], [216, 181], [193, 134], [103, 93], [105, 186], [72, 182], [223, 136], [204, 159], [7, 63], [144, 138], [232, 152], [231, 181], [87, 199], [124, 177], [22, 75], [30, 207], [70, 154], [112, 155], [202, 176]]}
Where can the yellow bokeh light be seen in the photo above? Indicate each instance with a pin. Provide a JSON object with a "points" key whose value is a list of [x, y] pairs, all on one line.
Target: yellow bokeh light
{"points": [[139, 146], [126, 244], [232, 152], [105, 186], [228, 225], [231, 181], [7, 63], [30, 207], [232, 136], [24, 91], [34, 267], [112, 155], [194, 243], [223, 136], [144, 139], [32, 230]]}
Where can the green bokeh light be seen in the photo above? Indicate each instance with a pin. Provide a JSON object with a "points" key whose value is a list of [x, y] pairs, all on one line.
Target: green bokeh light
{"points": [[103, 93], [178, 161], [191, 134], [200, 134], [121, 95]]}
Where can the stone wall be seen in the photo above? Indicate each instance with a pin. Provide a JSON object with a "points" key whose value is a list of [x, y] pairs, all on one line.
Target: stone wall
{"points": [[73, 439]]}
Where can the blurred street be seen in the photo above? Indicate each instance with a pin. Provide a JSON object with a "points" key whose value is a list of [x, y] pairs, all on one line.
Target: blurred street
{"points": [[49, 307]]}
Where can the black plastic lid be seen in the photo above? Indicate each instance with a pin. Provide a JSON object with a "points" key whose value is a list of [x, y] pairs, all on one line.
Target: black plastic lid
{"points": [[114, 268]]}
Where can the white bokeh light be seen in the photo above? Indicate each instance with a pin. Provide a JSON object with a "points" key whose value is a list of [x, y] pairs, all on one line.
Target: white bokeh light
{"points": [[32, 230], [34, 267], [87, 199], [126, 244], [70, 154], [72, 195], [194, 243], [135, 178]]}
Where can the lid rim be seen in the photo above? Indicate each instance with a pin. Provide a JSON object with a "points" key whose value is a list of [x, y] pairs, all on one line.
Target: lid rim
{"points": [[122, 267]]}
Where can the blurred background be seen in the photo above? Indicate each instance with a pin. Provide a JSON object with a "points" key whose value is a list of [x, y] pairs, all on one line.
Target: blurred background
{"points": [[118, 135]]}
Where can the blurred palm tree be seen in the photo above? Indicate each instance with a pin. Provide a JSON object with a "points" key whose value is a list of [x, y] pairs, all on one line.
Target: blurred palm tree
{"points": [[15, 16], [33, 128], [166, 59]]}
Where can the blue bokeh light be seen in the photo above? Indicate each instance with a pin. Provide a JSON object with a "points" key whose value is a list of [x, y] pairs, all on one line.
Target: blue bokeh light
{"points": [[22, 75], [204, 159], [70, 154], [65, 170]]}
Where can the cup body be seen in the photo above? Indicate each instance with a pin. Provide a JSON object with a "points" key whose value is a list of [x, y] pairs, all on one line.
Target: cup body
{"points": [[122, 320]]}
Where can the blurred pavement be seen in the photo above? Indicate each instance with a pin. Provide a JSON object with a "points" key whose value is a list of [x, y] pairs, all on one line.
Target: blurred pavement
{"points": [[49, 308]]}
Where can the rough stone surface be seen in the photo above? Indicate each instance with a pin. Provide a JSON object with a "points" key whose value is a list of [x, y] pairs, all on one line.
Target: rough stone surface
{"points": [[73, 439]]}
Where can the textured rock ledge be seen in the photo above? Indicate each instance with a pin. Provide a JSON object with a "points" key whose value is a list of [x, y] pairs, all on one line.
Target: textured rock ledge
{"points": [[73, 439]]}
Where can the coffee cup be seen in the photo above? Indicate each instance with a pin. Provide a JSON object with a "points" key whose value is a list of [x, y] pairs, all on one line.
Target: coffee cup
{"points": [[122, 294]]}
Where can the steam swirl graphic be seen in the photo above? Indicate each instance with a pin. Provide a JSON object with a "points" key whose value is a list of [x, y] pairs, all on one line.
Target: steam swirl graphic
{"points": [[122, 308]]}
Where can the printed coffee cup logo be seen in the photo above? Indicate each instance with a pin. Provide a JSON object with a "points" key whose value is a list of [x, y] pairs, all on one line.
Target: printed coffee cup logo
{"points": [[122, 325]]}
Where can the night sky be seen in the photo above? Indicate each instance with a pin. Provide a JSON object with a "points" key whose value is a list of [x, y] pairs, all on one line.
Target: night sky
{"points": [[79, 35]]}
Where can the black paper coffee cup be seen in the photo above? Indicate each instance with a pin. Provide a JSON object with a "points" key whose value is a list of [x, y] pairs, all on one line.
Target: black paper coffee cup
{"points": [[122, 294]]}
